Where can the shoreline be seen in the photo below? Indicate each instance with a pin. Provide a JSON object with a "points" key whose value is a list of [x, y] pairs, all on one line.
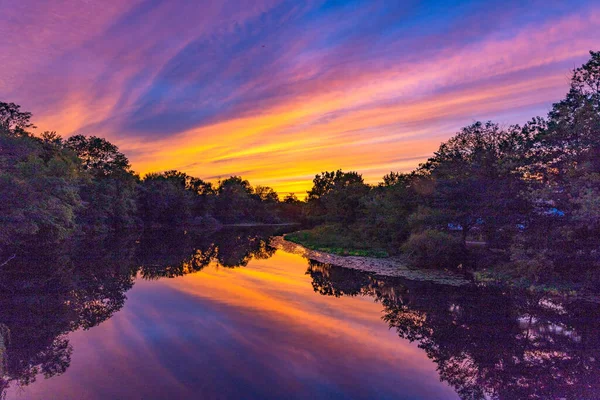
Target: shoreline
{"points": [[391, 267], [396, 267]]}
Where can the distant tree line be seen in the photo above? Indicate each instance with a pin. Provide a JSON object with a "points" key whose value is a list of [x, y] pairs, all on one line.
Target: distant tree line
{"points": [[531, 193], [52, 187]]}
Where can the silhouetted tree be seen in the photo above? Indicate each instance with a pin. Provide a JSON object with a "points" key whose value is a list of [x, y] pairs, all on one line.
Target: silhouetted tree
{"points": [[98, 155], [13, 121], [477, 181], [38, 189], [336, 196]]}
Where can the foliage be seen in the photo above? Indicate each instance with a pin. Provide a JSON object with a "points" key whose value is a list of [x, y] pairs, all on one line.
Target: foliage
{"points": [[335, 239], [164, 200], [38, 192], [98, 155], [109, 186], [528, 192], [565, 225], [13, 121], [435, 249], [52, 187], [476, 178], [387, 209], [291, 208], [336, 197]]}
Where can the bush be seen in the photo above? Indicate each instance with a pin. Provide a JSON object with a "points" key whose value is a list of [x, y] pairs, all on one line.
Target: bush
{"points": [[435, 249]]}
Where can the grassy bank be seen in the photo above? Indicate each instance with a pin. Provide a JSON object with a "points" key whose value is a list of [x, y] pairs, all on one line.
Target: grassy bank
{"points": [[491, 268], [336, 240]]}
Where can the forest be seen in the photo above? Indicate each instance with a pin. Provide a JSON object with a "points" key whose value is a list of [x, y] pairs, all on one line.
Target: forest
{"points": [[524, 199]]}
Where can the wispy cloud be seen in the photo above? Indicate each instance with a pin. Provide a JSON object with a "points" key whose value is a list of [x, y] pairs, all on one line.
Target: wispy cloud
{"points": [[283, 89]]}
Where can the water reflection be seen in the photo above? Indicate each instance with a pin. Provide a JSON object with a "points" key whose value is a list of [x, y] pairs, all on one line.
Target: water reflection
{"points": [[169, 255], [484, 343], [50, 291]]}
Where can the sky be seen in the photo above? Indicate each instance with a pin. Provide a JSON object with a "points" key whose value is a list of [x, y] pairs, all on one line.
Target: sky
{"points": [[277, 91]]}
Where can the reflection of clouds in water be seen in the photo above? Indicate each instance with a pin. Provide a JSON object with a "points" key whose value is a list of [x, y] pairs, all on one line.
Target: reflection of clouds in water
{"points": [[262, 331]]}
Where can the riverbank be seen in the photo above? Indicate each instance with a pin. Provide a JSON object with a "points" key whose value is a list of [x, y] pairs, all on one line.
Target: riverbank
{"points": [[399, 266], [390, 266], [335, 240]]}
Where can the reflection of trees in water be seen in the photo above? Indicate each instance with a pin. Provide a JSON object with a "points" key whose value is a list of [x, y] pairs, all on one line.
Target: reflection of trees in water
{"points": [[486, 343], [47, 292], [169, 255], [333, 281]]}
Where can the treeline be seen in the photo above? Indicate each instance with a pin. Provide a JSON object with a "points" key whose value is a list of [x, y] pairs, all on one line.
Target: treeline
{"points": [[530, 193], [52, 187]]}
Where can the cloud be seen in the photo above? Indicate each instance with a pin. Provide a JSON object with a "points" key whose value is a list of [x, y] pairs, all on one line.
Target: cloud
{"points": [[282, 90]]}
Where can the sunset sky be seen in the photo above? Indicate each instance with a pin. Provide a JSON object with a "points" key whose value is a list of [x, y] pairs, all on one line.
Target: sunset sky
{"points": [[277, 91]]}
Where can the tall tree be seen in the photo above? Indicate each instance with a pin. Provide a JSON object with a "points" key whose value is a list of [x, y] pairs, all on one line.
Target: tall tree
{"points": [[13, 121], [98, 155], [563, 232], [477, 177], [336, 196], [109, 191]]}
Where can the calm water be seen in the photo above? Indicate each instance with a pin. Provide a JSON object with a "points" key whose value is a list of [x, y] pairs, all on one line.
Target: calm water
{"points": [[226, 316]]}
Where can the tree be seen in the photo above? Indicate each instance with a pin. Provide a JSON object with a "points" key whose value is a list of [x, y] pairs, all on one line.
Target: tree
{"points": [[387, 208], [234, 202], [109, 189], [336, 196], [571, 141], [291, 208], [477, 178], [561, 235], [164, 199], [98, 155], [38, 190], [326, 181], [265, 193], [204, 201], [13, 121]]}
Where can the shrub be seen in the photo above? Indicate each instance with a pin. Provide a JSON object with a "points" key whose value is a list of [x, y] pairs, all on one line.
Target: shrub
{"points": [[435, 249]]}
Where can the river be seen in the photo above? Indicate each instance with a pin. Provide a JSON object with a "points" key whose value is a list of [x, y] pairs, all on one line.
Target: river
{"points": [[225, 316]]}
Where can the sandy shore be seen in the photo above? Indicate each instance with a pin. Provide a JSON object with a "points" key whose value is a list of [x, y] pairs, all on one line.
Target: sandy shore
{"points": [[391, 266]]}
